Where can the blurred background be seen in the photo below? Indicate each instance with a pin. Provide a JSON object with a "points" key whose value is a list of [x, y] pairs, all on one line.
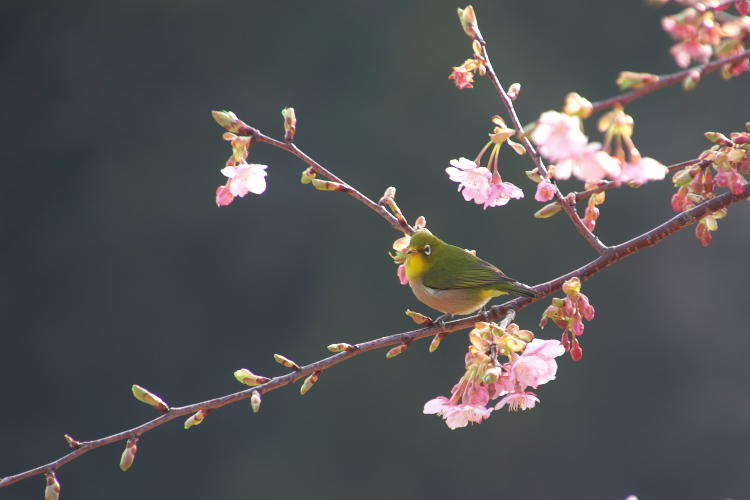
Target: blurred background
{"points": [[118, 268]]}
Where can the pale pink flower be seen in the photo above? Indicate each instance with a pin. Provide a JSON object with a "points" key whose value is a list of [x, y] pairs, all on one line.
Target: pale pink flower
{"points": [[457, 415], [501, 193], [678, 30], [518, 401], [545, 191], [590, 165], [246, 178], [474, 182], [559, 136], [690, 50], [537, 365], [643, 170]]}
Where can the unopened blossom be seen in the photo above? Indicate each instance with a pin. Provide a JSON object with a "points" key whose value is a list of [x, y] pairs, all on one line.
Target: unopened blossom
{"points": [[402, 274], [559, 136], [545, 191], [590, 165], [641, 170], [243, 178], [474, 181], [224, 196], [501, 193]]}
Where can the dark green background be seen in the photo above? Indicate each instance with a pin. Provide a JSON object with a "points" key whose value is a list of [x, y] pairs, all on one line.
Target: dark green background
{"points": [[118, 268]]}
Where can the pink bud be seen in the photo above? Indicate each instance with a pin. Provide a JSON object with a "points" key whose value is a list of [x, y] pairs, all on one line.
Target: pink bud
{"points": [[575, 351]]}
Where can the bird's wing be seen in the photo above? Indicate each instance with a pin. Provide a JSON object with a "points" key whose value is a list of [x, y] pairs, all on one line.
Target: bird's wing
{"points": [[475, 273]]}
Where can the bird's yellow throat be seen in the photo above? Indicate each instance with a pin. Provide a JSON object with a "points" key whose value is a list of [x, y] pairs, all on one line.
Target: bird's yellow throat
{"points": [[416, 265]]}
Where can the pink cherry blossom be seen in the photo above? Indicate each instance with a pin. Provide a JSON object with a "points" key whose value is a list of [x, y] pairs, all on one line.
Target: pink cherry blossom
{"points": [[545, 191], [462, 77], [474, 182], [537, 365], [690, 50], [590, 165], [642, 170], [559, 136], [501, 193], [246, 178], [518, 401], [457, 415]]}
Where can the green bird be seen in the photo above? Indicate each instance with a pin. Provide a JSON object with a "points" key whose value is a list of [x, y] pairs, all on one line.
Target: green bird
{"points": [[453, 281]]}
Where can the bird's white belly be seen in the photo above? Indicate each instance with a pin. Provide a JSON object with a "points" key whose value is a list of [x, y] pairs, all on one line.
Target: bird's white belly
{"points": [[447, 301]]}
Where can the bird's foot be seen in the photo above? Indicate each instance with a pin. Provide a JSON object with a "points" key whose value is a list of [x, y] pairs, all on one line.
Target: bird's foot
{"points": [[440, 320]]}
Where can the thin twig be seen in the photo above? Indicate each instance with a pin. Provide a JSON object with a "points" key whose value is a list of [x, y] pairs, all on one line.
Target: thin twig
{"points": [[318, 168], [566, 205]]}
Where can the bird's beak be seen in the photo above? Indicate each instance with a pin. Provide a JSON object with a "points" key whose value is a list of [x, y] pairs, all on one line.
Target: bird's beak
{"points": [[411, 250]]}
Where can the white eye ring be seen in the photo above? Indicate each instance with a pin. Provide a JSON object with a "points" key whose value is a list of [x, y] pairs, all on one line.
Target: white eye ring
{"points": [[427, 249]]}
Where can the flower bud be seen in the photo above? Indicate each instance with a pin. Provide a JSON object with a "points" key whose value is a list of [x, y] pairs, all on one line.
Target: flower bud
{"points": [[128, 456], [397, 212], [691, 81], [548, 210], [576, 105], [718, 138], [308, 175], [247, 377], [632, 80], [572, 286], [436, 341], [228, 120], [421, 223], [72, 442], [514, 90], [419, 318], [52, 491], [197, 418], [575, 350], [149, 398], [683, 177], [290, 124], [397, 350], [343, 346], [389, 194], [309, 382], [469, 21], [286, 362], [328, 185], [255, 401]]}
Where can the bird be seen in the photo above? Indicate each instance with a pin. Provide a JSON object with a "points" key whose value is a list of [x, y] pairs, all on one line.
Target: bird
{"points": [[451, 280]]}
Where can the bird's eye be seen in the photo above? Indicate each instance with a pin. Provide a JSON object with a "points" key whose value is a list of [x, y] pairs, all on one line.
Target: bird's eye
{"points": [[427, 249]]}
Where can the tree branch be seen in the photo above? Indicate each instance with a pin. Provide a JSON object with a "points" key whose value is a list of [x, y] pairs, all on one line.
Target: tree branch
{"points": [[610, 256], [665, 81]]}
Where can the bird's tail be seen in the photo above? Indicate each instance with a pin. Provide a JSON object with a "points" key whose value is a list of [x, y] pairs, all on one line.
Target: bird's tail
{"points": [[523, 290]]}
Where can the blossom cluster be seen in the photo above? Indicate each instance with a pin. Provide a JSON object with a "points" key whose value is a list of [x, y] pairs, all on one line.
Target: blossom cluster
{"points": [[560, 139], [568, 314], [703, 31], [696, 183], [484, 185], [531, 363]]}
